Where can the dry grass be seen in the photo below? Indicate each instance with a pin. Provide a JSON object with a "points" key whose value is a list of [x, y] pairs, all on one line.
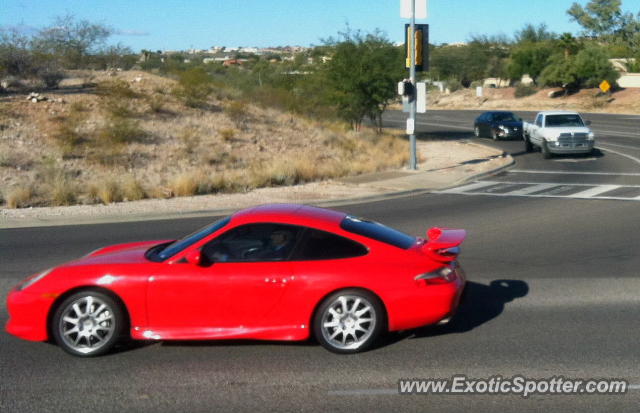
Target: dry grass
{"points": [[63, 192], [132, 189], [20, 197], [189, 184], [227, 134], [106, 191]]}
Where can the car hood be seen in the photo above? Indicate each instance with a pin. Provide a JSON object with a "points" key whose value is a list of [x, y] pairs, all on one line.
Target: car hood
{"points": [[129, 253]]}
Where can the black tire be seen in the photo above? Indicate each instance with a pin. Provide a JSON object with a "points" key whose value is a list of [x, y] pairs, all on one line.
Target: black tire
{"points": [[100, 324], [545, 150], [353, 343], [528, 146], [476, 131]]}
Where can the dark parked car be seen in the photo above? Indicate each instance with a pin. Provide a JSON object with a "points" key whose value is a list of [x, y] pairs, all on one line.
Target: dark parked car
{"points": [[498, 125]]}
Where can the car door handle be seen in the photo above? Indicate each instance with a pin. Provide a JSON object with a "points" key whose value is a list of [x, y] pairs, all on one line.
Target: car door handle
{"points": [[280, 280]]}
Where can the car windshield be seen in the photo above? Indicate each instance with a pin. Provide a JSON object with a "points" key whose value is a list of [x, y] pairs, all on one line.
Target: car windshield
{"points": [[506, 117], [377, 231], [175, 247], [558, 121]]}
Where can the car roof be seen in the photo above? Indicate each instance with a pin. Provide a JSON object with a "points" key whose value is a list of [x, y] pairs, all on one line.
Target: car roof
{"points": [[295, 214], [559, 112]]}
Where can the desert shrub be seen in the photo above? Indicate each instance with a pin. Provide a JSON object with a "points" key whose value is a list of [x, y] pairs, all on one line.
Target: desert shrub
{"points": [[117, 88], [156, 103], [20, 197], [194, 87], [62, 192], [106, 191], [51, 77], [227, 134], [132, 189], [525, 90], [189, 184], [119, 131], [237, 111], [190, 140], [67, 133]]}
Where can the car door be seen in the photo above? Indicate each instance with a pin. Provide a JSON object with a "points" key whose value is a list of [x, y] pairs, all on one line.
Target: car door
{"points": [[536, 130], [486, 125], [240, 281]]}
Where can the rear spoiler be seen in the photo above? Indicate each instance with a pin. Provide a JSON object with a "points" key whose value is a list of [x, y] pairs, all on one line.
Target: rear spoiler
{"points": [[443, 244]]}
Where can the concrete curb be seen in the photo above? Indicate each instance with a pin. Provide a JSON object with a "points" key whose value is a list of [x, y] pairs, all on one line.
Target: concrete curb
{"points": [[110, 219]]}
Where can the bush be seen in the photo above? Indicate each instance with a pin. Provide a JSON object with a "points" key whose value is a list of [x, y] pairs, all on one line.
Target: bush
{"points": [[20, 197], [227, 134], [194, 87], [525, 90], [237, 112], [119, 131]]}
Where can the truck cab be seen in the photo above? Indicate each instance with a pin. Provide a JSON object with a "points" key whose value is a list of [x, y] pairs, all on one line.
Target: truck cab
{"points": [[558, 132]]}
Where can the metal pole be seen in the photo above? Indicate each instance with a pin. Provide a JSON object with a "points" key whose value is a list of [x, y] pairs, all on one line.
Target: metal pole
{"points": [[413, 164]]}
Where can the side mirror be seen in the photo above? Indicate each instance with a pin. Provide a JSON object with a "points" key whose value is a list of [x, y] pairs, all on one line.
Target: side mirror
{"points": [[588, 122], [194, 257]]}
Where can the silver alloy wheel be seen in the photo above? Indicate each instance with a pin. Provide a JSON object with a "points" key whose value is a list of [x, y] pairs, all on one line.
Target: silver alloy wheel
{"points": [[348, 322], [87, 324]]}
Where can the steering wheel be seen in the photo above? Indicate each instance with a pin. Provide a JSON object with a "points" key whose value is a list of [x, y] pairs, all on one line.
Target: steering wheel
{"points": [[251, 251]]}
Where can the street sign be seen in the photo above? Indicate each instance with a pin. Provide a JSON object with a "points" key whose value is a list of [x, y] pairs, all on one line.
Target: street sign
{"points": [[421, 38], [421, 9], [421, 97], [605, 86]]}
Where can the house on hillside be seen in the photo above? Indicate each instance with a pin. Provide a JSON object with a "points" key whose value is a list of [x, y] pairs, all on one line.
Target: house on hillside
{"points": [[627, 79]]}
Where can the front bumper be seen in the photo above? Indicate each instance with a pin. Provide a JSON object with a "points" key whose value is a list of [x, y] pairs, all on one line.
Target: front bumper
{"points": [[569, 148], [28, 315]]}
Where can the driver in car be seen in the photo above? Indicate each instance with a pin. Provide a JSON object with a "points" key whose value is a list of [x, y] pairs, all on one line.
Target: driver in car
{"points": [[279, 245]]}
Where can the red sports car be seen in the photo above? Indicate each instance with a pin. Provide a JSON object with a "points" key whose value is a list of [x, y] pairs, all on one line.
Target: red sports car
{"points": [[274, 272]]}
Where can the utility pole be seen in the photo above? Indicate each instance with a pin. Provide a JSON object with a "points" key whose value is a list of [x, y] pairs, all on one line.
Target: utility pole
{"points": [[411, 122]]}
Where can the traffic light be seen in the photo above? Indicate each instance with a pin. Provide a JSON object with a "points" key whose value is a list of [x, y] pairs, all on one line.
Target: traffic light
{"points": [[421, 39]]}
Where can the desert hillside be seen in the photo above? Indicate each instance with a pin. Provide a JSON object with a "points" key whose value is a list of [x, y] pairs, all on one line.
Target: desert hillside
{"points": [[586, 100], [110, 136]]}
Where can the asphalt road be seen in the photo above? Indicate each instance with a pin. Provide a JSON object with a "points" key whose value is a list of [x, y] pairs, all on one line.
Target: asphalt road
{"points": [[553, 291]]}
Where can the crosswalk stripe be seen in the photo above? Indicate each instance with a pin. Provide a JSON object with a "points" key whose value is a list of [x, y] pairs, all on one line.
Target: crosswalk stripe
{"points": [[600, 189], [542, 190]]}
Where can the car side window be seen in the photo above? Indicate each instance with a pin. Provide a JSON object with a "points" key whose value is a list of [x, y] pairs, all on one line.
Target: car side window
{"points": [[539, 120], [322, 245], [253, 243]]}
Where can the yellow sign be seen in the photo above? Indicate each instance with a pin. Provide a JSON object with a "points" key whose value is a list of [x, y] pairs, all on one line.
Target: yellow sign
{"points": [[605, 86]]}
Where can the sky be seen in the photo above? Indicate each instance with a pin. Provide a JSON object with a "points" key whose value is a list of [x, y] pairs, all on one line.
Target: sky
{"points": [[200, 24]]}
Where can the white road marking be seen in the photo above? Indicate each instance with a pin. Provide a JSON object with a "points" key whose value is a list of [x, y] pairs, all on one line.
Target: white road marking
{"points": [[533, 171], [617, 145], [542, 190], [600, 189], [531, 189], [633, 158]]}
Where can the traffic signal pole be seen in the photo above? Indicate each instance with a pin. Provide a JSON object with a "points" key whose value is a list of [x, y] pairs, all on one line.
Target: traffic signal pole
{"points": [[411, 122]]}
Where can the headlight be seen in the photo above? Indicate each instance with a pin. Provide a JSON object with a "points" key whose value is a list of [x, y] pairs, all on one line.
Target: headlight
{"points": [[503, 128], [591, 135], [30, 281]]}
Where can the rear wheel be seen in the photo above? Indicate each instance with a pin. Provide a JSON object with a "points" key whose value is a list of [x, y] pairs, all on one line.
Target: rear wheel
{"points": [[87, 323], [349, 321]]}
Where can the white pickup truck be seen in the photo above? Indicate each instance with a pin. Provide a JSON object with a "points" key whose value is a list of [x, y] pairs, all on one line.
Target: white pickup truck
{"points": [[558, 132]]}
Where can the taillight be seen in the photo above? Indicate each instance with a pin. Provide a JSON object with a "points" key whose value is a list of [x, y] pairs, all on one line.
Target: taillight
{"points": [[439, 276]]}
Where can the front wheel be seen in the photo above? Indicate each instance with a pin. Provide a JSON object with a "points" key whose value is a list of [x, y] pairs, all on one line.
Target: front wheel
{"points": [[88, 323], [546, 154], [349, 321], [494, 135], [528, 146]]}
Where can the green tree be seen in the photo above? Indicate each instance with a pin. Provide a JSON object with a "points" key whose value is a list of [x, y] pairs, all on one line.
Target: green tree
{"points": [[529, 58], [532, 34], [361, 76], [592, 66], [71, 40]]}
